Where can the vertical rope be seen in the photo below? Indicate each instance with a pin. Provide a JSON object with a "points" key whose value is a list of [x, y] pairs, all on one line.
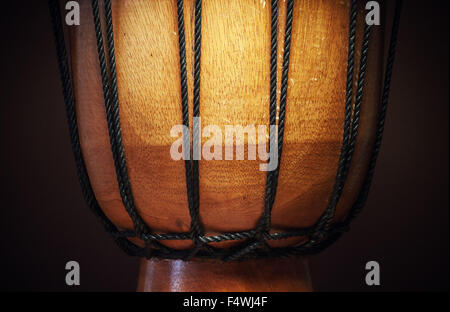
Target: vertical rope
{"points": [[355, 121], [265, 220], [264, 224], [283, 95], [328, 215], [185, 105], [196, 228], [358, 100], [362, 197], [112, 115], [191, 168], [272, 176], [195, 222], [69, 101]]}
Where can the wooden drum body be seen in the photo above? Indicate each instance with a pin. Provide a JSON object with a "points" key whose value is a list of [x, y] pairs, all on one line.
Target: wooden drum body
{"points": [[235, 89]]}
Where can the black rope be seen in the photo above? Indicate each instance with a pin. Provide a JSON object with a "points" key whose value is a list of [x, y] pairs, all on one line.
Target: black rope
{"points": [[316, 237], [184, 103], [196, 227], [264, 224], [69, 100], [191, 167], [220, 237], [109, 81], [283, 94], [363, 194], [324, 221], [352, 137], [358, 99], [362, 197], [356, 114], [113, 116]]}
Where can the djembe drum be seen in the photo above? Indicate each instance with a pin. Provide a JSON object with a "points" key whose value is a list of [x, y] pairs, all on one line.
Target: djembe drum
{"points": [[312, 68]]}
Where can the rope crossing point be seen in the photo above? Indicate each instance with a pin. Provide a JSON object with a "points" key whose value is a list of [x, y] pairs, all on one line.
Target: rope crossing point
{"points": [[254, 244]]}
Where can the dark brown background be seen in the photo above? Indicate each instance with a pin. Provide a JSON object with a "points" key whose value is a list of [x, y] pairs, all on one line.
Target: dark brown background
{"points": [[44, 222]]}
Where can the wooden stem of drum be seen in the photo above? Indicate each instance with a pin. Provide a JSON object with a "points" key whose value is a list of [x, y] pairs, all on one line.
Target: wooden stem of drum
{"points": [[269, 275]]}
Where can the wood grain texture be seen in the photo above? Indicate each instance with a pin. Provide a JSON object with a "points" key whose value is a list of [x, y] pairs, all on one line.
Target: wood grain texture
{"points": [[234, 91], [176, 275]]}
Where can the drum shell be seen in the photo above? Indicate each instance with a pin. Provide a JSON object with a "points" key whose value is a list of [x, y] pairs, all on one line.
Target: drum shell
{"points": [[235, 67]]}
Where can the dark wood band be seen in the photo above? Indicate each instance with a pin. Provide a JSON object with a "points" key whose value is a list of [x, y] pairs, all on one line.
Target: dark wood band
{"points": [[272, 275]]}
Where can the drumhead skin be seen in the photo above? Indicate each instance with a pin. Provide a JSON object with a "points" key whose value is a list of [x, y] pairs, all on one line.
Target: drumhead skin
{"points": [[235, 90]]}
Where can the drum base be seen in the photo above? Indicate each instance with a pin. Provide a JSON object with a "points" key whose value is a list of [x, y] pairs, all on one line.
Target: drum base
{"points": [[271, 275]]}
